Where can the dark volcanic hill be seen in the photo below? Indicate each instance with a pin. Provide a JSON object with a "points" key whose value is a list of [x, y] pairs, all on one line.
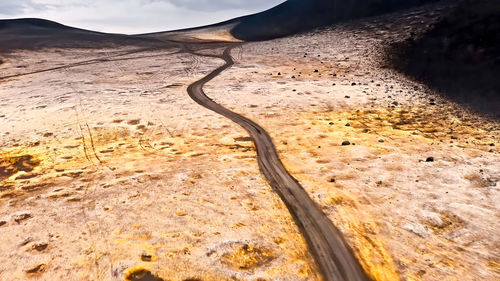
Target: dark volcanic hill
{"points": [[38, 33], [459, 56], [294, 16]]}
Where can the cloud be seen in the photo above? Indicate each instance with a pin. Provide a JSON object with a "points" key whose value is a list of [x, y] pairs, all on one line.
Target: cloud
{"points": [[133, 16], [215, 5], [15, 7]]}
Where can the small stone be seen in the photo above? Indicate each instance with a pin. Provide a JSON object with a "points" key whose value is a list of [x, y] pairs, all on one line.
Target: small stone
{"points": [[332, 180], [381, 140], [316, 71], [36, 269], [429, 159], [344, 143], [22, 217], [331, 123], [40, 246], [348, 125], [347, 97], [279, 73], [3, 223], [146, 257], [366, 131], [353, 84]]}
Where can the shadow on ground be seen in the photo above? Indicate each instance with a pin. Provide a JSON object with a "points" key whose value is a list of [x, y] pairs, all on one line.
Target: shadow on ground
{"points": [[459, 57]]}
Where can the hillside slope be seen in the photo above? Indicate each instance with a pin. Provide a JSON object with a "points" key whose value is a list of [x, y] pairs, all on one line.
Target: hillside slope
{"points": [[294, 16], [31, 33], [459, 56]]}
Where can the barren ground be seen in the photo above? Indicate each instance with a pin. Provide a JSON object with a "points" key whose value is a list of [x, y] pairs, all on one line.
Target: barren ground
{"points": [[108, 169]]}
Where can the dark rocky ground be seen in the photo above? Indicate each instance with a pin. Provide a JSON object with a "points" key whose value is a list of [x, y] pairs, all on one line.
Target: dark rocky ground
{"points": [[295, 16], [459, 56]]}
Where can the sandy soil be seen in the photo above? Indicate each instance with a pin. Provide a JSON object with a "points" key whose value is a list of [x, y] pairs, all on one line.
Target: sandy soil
{"points": [[415, 190], [108, 170]]}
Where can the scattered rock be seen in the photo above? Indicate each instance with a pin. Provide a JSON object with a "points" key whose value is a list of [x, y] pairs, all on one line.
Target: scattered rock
{"points": [[37, 269], [429, 159], [331, 180], [316, 71], [134, 122], [381, 140], [348, 125], [344, 143], [26, 241], [142, 275], [146, 257], [353, 84], [3, 223], [347, 97], [40, 246], [22, 217]]}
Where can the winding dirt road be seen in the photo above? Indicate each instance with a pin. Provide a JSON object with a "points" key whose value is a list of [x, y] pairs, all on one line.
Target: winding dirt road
{"points": [[326, 243]]}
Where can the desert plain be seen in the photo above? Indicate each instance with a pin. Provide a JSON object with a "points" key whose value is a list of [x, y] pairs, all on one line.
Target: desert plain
{"points": [[109, 171]]}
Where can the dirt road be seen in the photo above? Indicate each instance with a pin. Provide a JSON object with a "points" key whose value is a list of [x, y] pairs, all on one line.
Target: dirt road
{"points": [[326, 243]]}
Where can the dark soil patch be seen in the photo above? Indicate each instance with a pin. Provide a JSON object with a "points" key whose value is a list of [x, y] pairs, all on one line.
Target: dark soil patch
{"points": [[12, 165]]}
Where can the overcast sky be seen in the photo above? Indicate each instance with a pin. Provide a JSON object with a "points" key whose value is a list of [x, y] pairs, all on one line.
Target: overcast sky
{"points": [[133, 16]]}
